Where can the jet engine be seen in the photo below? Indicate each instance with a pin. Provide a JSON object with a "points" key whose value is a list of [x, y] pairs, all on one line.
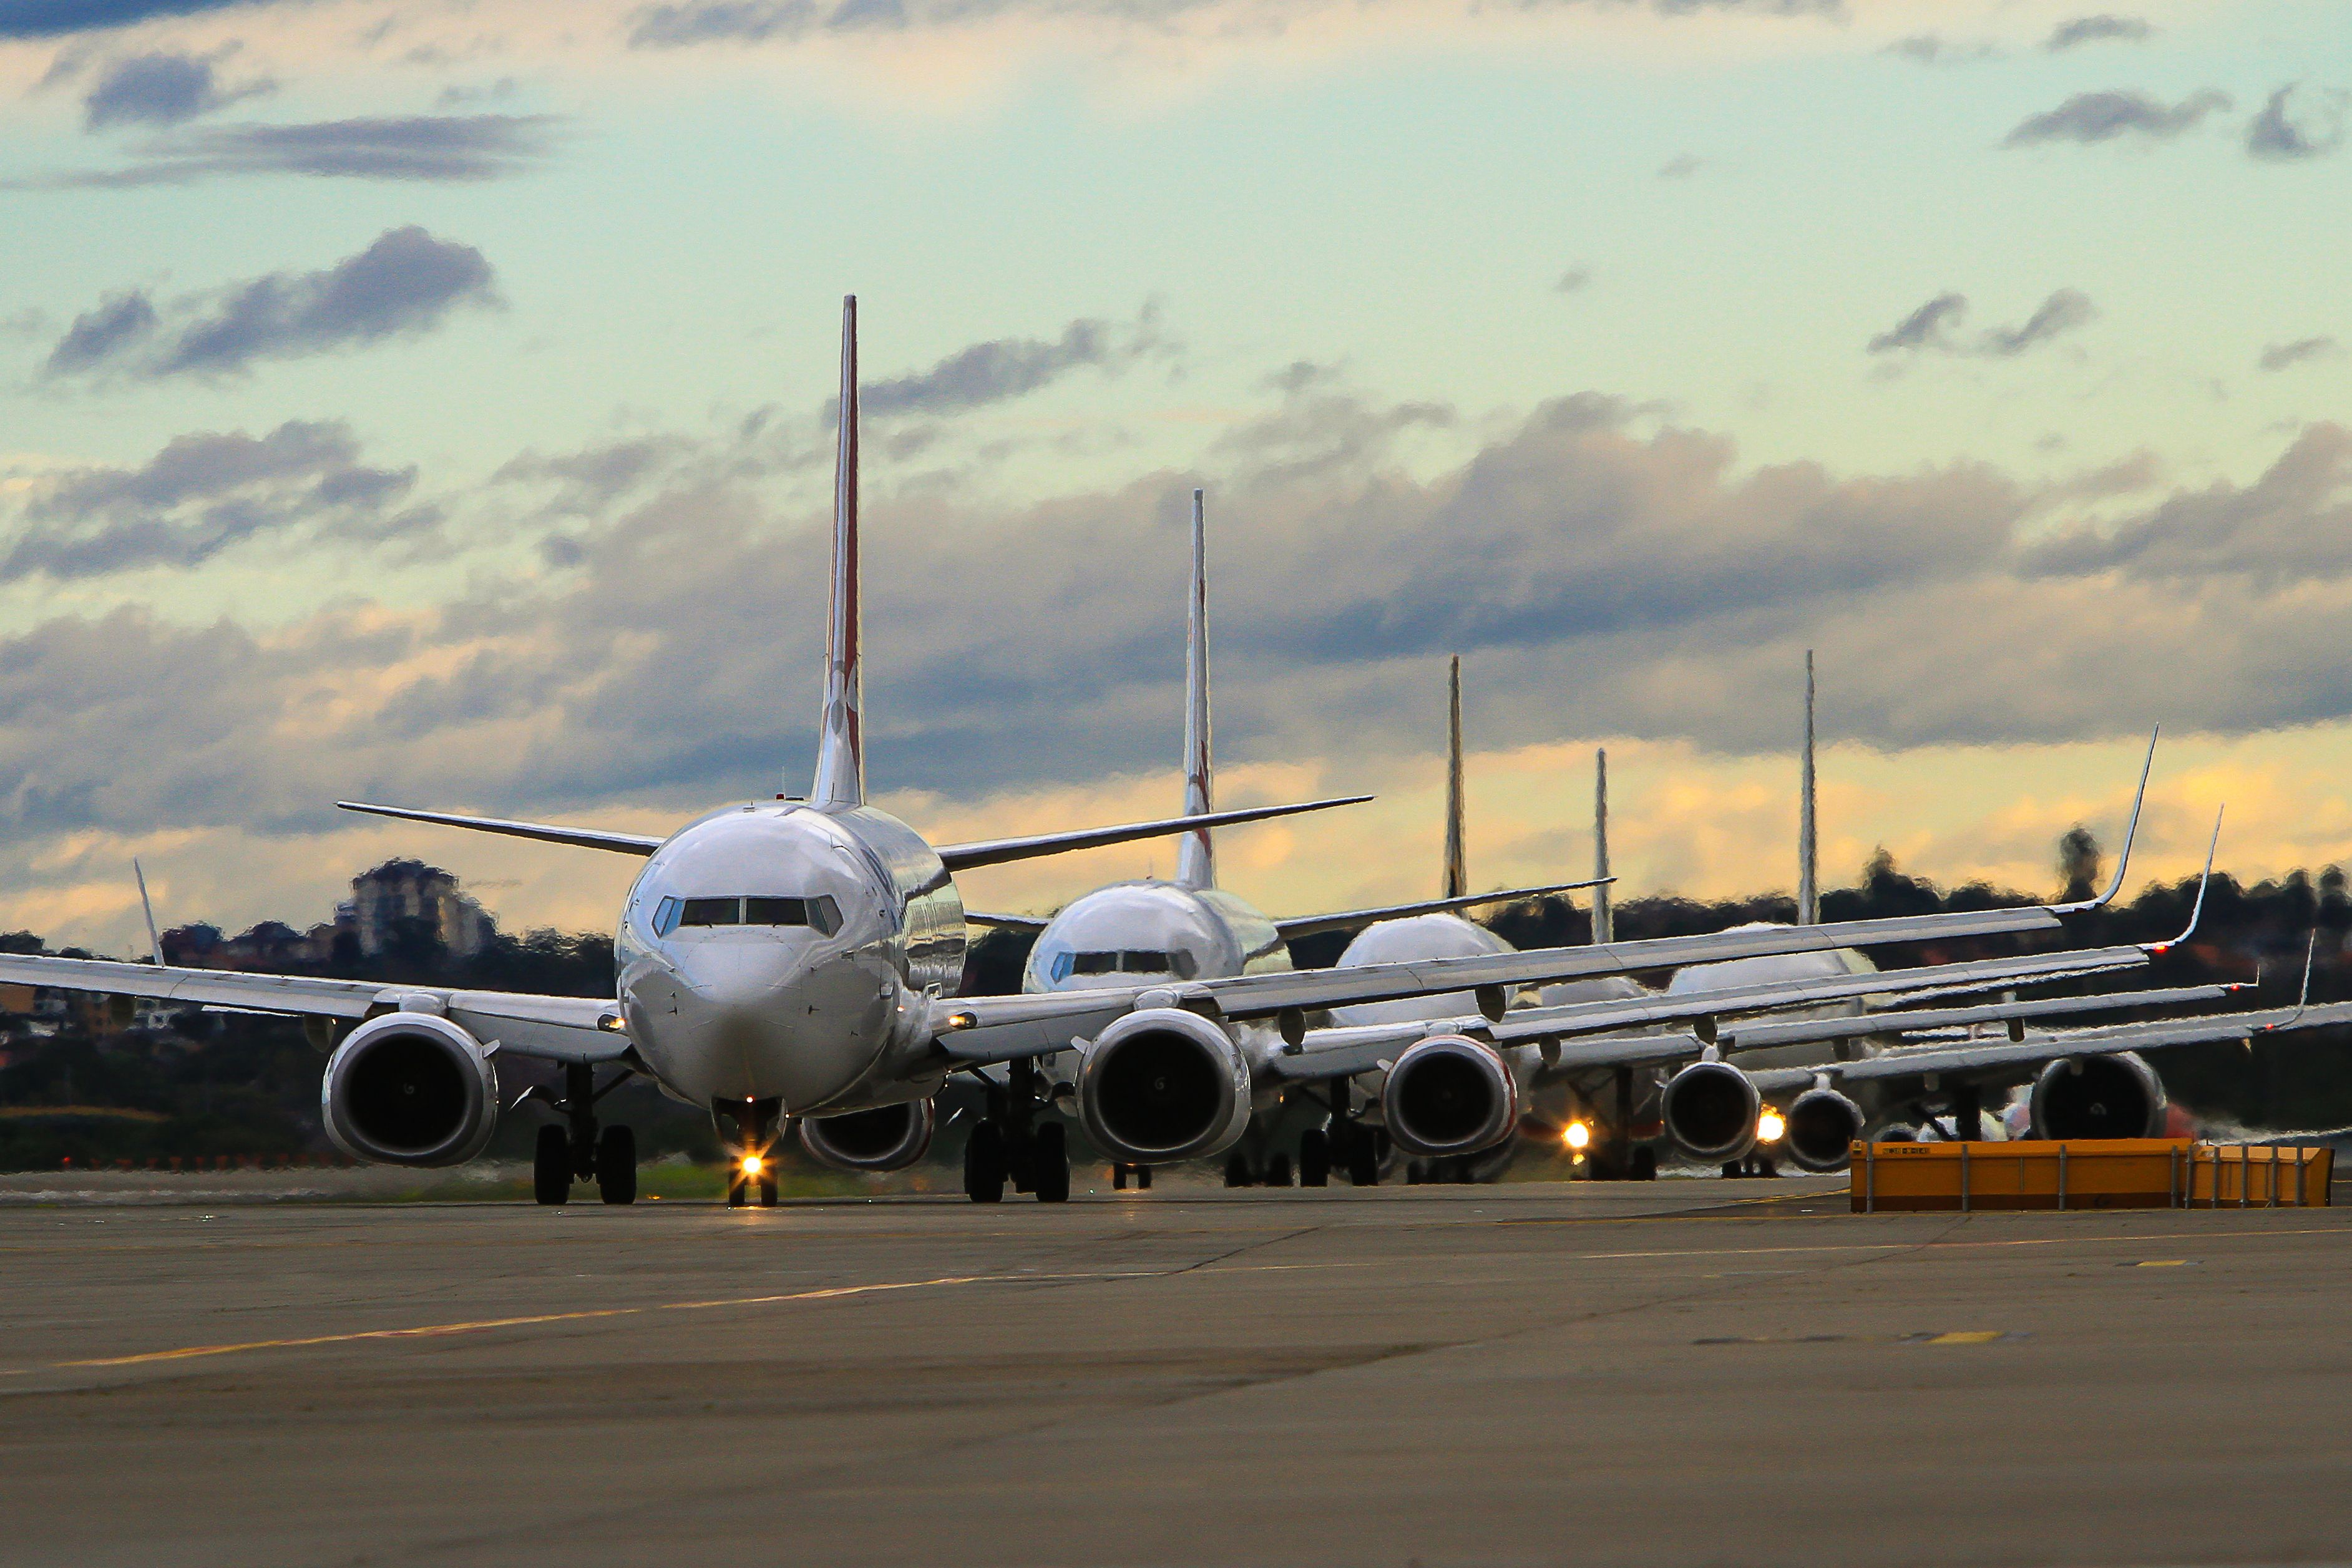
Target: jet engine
{"points": [[1711, 1108], [1823, 1126], [1449, 1094], [410, 1088], [887, 1138], [1163, 1085], [2116, 1096]]}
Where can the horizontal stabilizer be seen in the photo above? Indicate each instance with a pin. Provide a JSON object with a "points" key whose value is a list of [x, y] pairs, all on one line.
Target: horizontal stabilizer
{"points": [[1313, 924], [994, 851], [578, 838]]}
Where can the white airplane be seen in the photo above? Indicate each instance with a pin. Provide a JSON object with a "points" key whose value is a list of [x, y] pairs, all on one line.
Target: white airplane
{"points": [[1178, 928], [795, 960]]}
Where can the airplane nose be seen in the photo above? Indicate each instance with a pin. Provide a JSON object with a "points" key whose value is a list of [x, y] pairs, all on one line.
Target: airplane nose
{"points": [[771, 1021]]}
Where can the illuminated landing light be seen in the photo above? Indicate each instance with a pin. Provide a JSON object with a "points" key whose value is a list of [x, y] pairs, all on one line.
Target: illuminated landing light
{"points": [[753, 1164], [1579, 1137], [1769, 1126]]}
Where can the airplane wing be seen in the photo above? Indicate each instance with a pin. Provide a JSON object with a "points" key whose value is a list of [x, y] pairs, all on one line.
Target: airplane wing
{"points": [[1006, 922], [565, 1029], [1312, 925], [1976, 1056], [578, 838], [994, 851], [1764, 1033]]}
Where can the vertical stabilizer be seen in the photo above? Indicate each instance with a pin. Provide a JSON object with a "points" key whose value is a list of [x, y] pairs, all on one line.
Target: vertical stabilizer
{"points": [[1457, 874], [841, 747], [1196, 853], [147, 908], [1604, 923], [1809, 905]]}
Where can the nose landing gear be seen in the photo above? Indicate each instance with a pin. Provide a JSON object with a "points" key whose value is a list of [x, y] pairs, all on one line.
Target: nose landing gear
{"points": [[751, 1177], [576, 1152]]}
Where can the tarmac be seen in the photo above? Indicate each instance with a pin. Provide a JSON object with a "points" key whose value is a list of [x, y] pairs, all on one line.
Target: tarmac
{"points": [[1670, 1373]]}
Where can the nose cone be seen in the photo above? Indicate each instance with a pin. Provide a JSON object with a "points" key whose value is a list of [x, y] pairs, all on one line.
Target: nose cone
{"points": [[765, 1020]]}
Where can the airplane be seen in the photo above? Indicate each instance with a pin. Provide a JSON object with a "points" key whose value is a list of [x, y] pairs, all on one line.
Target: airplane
{"points": [[1185, 927], [794, 960]]}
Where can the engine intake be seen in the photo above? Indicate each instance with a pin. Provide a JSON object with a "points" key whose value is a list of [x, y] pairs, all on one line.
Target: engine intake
{"points": [[887, 1138], [1163, 1085], [1450, 1094], [410, 1088], [1823, 1126], [2116, 1096], [1710, 1109]]}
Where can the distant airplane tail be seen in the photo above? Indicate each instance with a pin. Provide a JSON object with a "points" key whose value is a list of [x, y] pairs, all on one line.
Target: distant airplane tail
{"points": [[1604, 923], [1457, 872], [1809, 898], [1196, 854], [841, 744]]}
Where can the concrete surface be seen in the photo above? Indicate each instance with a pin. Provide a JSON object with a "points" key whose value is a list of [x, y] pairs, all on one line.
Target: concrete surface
{"points": [[1666, 1374]]}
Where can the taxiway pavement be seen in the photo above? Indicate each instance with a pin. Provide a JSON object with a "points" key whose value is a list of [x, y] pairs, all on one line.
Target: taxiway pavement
{"points": [[1677, 1373]]}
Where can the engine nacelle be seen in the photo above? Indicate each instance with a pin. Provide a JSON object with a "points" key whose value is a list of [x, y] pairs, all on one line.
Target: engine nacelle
{"points": [[1710, 1109], [2116, 1096], [410, 1088], [1450, 1094], [1823, 1126], [1163, 1085], [887, 1138]]}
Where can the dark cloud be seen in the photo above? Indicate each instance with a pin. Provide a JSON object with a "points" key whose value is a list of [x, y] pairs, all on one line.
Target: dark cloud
{"points": [[2279, 356], [407, 282], [1681, 167], [55, 18], [1933, 49], [2272, 137], [460, 147], [2061, 312], [2089, 117], [2095, 29], [1924, 327], [162, 90], [204, 494], [1013, 367], [715, 21], [1574, 280]]}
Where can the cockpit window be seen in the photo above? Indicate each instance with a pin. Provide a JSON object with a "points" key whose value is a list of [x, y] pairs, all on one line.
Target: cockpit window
{"points": [[820, 914], [1123, 961]]}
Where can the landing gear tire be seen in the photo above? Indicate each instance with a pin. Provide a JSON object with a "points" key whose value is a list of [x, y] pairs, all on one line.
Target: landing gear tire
{"points": [[1277, 1171], [1644, 1164], [1315, 1158], [739, 1192], [767, 1192], [616, 1165], [1143, 1178], [1363, 1160], [1118, 1176], [1049, 1164], [551, 1167], [984, 1165], [1237, 1170], [1415, 1173]]}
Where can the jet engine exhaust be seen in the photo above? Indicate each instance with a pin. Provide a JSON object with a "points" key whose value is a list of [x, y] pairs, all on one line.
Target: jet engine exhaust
{"points": [[2116, 1096], [1711, 1108], [1450, 1095], [1823, 1126], [887, 1138], [1163, 1085], [410, 1088]]}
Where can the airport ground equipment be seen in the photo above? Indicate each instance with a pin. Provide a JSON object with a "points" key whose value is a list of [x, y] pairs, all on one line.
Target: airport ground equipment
{"points": [[2087, 1173]]}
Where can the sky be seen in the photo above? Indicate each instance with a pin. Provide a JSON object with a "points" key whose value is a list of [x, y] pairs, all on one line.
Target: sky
{"points": [[431, 403]]}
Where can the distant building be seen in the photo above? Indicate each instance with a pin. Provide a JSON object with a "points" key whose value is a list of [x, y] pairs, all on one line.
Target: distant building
{"points": [[406, 890]]}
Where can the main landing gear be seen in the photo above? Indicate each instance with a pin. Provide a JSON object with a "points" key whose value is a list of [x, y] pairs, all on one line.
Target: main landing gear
{"points": [[1120, 1171], [577, 1151], [1615, 1156], [751, 1175], [1014, 1143]]}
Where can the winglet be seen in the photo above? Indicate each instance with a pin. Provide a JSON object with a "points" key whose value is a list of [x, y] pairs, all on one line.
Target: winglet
{"points": [[2131, 829], [2302, 1001], [840, 745], [1196, 854], [2158, 949], [1457, 874], [1604, 922], [147, 906]]}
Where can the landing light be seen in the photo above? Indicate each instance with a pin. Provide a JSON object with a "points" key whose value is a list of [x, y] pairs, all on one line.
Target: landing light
{"points": [[1578, 1135], [753, 1164], [1769, 1126]]}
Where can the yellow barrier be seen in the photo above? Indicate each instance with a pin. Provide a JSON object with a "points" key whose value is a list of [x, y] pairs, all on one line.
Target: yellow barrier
{"points": [[2088, 1173]]}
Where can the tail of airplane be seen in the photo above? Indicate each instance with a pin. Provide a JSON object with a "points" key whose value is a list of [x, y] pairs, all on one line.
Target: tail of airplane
{"points": [[1457, 874], [1604, 923], [1196, 853], [1808, 912], [841, 744]]}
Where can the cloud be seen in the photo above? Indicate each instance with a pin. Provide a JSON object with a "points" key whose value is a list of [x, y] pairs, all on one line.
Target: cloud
{"points": [[204, 494], [162, 90], [407, 282], [1681, 167], [715, 21], [2089, 117], [2062, 312], [55, 18], [2100, 29], [1574, 280], [1924, 327], [1012, 367], [1932, 49], [2272, 137], [458, 148], [2279, 356]]}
